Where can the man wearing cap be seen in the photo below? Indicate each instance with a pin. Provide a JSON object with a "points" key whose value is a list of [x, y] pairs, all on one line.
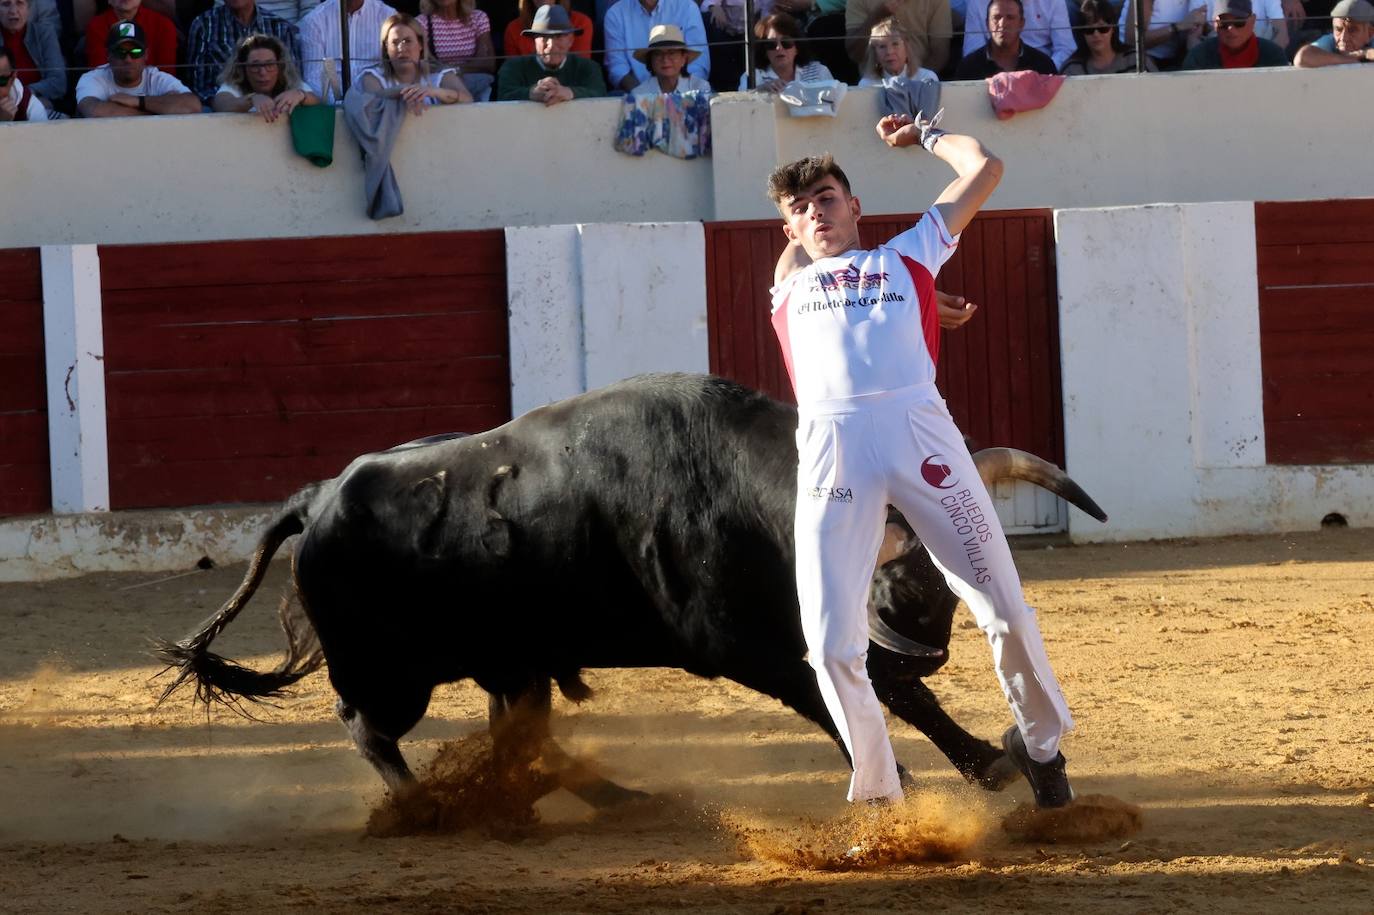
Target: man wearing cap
{"points": [[627, 29], [127, 86], [666, 57], [35, 50], [551, 74], [1351, 40], [1235, 44], [161, 32]]}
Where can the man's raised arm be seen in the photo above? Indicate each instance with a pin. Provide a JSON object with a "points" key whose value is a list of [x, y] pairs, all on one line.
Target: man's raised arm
{"points": [[978, 170]]}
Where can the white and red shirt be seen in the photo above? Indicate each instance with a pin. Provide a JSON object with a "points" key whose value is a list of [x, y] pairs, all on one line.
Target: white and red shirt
{"points": [[863, 322]]}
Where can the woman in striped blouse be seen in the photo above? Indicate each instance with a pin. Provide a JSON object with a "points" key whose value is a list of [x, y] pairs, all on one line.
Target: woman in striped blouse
{"points": [[458, 35], [787, 57]]}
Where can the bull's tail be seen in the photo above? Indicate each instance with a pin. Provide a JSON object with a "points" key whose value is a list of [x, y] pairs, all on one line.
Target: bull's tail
{"points": [[218, 679]]}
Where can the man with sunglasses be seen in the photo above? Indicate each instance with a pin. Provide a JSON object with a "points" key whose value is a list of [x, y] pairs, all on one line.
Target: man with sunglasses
{"points": [[127, 86], [1235, 44], [17, 103]]}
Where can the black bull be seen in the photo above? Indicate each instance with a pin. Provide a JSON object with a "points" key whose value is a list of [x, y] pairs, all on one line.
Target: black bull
{"points": [[646, 524]]}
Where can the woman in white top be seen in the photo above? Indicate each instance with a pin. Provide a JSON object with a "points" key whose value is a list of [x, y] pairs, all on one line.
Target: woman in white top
{"points": [[667, 56], [261, 77], [890, 58], [787, 60], [407, 73], [15, 103]]}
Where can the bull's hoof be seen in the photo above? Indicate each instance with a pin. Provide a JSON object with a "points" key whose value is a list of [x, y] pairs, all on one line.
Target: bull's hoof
{"points": [[997, 774]]}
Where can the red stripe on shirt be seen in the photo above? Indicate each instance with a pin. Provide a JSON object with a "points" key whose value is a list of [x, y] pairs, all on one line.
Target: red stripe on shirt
{"points": [[930, 315], [780, 328]]}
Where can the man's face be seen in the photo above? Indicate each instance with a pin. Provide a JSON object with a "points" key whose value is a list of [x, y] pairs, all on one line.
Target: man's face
{"points": [[552, 49], [1004, 24], [14, 14], [667, 63], [1351, 35], [127, 60], [125, 9], [1234, 31], [822, 218]]}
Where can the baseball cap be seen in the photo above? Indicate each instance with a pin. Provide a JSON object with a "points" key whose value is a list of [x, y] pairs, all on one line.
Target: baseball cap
{"points": [[1241, 8], [121, 32], [1358, 10]]}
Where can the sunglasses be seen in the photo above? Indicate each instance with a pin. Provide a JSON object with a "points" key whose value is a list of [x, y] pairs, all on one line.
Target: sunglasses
{"points": [[5, 80], [263, 65], [130, 53], [1231, 24], [786, 44], [1097, 29]]}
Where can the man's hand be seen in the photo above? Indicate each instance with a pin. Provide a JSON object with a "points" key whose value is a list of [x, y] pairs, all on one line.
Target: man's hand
{"points": [[125, 99], [9, 109], [550, 91], [898, 130], [718, 17], [954, 310], [266, 107]]}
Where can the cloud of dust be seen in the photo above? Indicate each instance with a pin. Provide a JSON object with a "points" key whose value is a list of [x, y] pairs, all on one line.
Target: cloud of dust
{"points": [[1090, 818], [924, 826]]}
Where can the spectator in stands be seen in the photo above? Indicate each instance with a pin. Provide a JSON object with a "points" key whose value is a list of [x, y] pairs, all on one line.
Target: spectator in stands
{"points": [[321, 50], [407, 72], [1351, 39], [889, 57], [1004, 51], [1235, 44], [518, 43], [458, 36], [218, 33], [1174, 27], [1102, 51], [551, 74], [1046, 29], [261, 77], [35, 51], [725, 25], [161, 32], [1270, 22], [127, 86], [926, 23], [627, 28], [666, 56], [17, 103], [780, 35]]}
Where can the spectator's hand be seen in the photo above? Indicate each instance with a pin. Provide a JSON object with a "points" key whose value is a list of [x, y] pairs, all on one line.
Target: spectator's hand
{"points": [[288, 101], [898, 130], [954, 310], [1195, 22], [414, 97], [266, 107], [125, 99], [9, 109], [773, 85], [718, 16]]}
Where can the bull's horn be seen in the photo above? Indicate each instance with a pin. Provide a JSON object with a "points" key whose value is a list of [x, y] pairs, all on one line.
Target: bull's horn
{"points": [[883, 634], [1008, 463]]}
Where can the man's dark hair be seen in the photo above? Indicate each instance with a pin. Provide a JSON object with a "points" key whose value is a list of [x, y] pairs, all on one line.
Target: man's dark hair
{"points": [[1020, 7], [791, 179]]}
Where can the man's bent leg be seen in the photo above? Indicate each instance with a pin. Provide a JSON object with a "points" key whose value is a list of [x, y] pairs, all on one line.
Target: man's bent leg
{"points": [[840, 510]]}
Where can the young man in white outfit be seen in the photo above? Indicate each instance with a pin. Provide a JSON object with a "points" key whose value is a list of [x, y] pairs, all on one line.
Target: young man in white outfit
{"points": [[860, 335]]}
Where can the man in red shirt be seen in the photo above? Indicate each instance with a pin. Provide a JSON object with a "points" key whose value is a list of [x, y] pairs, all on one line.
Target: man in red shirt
{"points": [[161, 32], [34, 50]]}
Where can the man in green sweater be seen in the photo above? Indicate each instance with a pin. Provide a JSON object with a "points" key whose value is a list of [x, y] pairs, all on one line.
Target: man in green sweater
{"points": [[550, 75], [1235, 44]]}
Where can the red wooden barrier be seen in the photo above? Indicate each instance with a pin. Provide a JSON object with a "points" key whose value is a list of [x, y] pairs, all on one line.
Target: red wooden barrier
{"points": [[236, 372], [1316, 298], [999, 373], [25, 482]]}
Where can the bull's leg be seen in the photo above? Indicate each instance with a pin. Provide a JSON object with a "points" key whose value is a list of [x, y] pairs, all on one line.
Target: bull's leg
{"points": [[519, 724], [376, 733], [977, 760]]}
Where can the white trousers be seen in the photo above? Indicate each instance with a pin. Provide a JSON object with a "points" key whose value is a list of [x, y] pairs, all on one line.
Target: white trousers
{"points": [[857, 456]]}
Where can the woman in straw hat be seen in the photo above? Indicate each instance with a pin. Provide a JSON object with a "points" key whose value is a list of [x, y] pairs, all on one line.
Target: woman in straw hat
{"points": [[667, 56]]}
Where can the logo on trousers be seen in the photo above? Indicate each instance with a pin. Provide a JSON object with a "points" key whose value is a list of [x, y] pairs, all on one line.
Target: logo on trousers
{"points": [[937, 473]]}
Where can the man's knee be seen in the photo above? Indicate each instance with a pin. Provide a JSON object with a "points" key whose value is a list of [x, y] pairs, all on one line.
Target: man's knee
{"points": [[840, 661]]}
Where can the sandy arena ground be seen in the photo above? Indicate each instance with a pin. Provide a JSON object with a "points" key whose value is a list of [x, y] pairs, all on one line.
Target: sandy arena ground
{"points": [[1226, 687]]}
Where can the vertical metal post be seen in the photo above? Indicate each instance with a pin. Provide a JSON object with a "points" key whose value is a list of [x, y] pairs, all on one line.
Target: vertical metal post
{"points": [[346, 77], [749, 42], [1139, 13]]}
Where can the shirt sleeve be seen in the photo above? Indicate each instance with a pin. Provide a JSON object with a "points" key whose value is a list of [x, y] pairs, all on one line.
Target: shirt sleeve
{"points": [[312, 56], [1062, 45], [976, 26], [928, 242], [89, 86], [617, 55]]}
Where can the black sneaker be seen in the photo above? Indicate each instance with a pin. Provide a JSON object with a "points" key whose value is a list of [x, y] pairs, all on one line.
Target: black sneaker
{"points": [[1049, 782]]}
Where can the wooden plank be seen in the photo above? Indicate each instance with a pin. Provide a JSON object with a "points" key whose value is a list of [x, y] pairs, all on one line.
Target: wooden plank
{"points": [[304, 260], [24, 489], [1347, 397], [221, 480], [23, 383], [130, 310], [1307, 222], [1308, 441], [1316, 354], [1316, 264], [24, 438], [1298, 311], [23, 272]]}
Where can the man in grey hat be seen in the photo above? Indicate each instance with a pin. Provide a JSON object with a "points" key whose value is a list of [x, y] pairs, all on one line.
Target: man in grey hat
{"points": [[551, 74], [1351, 40], [1234, 44]]}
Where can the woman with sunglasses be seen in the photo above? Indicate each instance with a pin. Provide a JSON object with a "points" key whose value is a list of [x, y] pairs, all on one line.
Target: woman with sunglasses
{"points": [[889, 57], [1100, 48], [261, 77], [787, 58], [16, 102], [407, 73]]}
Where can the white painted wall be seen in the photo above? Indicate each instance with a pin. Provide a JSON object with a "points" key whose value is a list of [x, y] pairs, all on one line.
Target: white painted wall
{"points": [[1163, 418], [1104, 141], [592, 304]]}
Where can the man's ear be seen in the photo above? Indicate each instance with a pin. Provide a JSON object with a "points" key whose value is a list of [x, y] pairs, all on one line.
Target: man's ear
{"points": [[787, 230], [855, 208]]}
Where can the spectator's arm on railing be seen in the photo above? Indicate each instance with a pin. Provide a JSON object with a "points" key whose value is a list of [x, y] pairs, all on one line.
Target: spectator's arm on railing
{"points": [[1310, 55], [695, 35]]}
